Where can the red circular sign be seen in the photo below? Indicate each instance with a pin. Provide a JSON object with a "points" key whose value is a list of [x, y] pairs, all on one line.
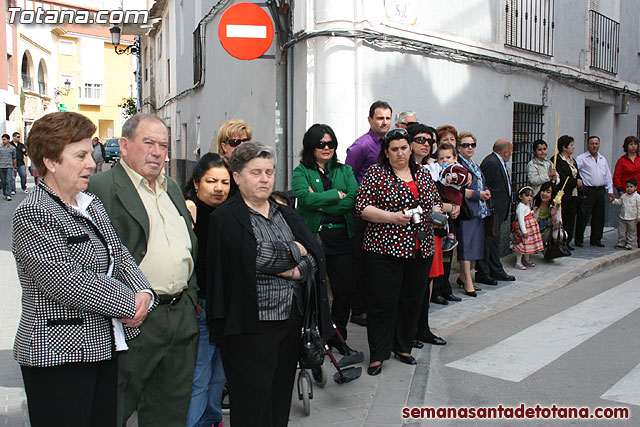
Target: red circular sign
{"points": [[245, 31]]}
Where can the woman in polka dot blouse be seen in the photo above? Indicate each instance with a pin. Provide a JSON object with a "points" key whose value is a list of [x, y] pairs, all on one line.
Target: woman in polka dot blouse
{"points": [[398, 247]]}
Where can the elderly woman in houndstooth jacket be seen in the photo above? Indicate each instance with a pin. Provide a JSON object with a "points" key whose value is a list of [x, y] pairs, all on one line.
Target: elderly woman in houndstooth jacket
{"points": [[82, 294]]}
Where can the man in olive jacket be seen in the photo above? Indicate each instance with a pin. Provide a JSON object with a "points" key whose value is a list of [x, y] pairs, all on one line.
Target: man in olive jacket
{"points": [[148, 211]]}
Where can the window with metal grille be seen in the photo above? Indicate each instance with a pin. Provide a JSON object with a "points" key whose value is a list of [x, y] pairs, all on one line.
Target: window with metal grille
{"points": [[529, 25], [528, 124], [604, 39], [197, 56]]}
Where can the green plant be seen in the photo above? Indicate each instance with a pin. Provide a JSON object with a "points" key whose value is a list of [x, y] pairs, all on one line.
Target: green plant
{"points": [[129, 105]]}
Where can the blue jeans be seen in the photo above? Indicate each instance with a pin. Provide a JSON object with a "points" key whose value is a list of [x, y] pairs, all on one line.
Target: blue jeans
{"points": [[13, 181], [5, 177], [22, 172], [208, 381]]}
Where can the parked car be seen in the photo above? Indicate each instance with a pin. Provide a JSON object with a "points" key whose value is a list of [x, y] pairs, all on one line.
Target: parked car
{"points": [[112, 150]]}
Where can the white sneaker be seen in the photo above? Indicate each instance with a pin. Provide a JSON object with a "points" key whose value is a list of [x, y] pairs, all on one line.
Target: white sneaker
{"points": [[13, 193], [26, 191], [9, 198], [519, 266]]}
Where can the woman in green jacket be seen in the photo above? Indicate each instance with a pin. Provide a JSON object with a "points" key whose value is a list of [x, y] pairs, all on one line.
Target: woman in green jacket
{"points": [[326, 191]]}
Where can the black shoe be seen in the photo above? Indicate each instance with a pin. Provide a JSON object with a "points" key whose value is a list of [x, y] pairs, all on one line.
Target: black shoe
{"points": [[342, 347], [504, 278], [571, 248], [486, 280], [452, 297], [359, 319], [374, 370], [578, 244], [599, 244], [430, 338], [408, 360], [471, 294], [439, 300], [461, 285], [417, 344]]}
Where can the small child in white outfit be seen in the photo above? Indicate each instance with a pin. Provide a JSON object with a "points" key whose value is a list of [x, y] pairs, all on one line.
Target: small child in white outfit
{"points": [[629, 214]]}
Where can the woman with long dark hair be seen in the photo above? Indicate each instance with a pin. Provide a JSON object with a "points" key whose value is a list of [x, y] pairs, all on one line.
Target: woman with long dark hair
{"points": [[326, 191], [208, 188]]}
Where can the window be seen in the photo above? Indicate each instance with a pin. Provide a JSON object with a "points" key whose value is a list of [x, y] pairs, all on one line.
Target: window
{"points": [[529, 25], [67, 47], [604, 37], [146, 64], [197, 56], [9, 69], [92, 91], [159, 45], [527, 128]]}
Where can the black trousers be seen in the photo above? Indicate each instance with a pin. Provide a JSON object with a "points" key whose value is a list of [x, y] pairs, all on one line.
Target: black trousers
{"points": [[261, 370], [569, 213], [490, 264], [596, 198], [396, 288], [344, 279], [73, 394], [359, 299]]}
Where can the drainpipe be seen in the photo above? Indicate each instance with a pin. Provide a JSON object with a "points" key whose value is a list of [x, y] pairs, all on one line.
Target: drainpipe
{"points": [[281, 125], [290, 154]]}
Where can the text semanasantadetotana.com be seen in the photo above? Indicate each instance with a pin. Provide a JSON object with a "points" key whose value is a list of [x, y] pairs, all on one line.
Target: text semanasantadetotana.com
{"points": [[517, 412]]}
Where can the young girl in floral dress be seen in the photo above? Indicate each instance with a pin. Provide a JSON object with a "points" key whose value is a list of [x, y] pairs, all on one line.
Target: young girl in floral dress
{"points": [[527, 223]]}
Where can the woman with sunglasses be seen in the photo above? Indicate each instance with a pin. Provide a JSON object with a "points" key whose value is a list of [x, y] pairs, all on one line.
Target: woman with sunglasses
{"points": [[398, 247], [326, 191], [470, 232], [231, 134]]}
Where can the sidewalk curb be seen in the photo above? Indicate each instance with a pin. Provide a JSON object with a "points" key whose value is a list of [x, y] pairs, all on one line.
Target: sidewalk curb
{"points": [[588, 268]]}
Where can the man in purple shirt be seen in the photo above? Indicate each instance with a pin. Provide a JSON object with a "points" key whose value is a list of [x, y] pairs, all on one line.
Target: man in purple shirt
{"points": [[365, 150], [363, 153]]}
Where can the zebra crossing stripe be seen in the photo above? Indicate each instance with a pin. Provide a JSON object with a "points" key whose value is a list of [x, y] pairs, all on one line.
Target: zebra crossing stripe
{"points": [[531, 349], [627, 390]]}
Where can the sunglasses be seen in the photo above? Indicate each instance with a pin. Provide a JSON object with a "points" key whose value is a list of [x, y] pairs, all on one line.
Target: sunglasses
{"points": [[467, 145], [331, 144], [236, 142], [396, 134], [423, 140]]}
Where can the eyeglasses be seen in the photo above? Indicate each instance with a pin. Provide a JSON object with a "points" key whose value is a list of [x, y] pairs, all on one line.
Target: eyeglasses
{"points": [[468, 144], [396, 134], [331, 144], [236, 142], [422, 140]]}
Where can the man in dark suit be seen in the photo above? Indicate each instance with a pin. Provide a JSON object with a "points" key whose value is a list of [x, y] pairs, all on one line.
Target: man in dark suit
{"points": [[496, 172], [148, 211]]}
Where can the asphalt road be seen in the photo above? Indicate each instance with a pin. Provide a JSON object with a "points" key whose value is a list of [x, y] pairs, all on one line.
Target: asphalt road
{"points": [[577, 346]]}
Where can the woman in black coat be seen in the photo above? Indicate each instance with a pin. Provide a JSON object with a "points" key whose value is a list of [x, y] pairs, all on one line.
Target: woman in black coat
{"points": [[263, 256], [570, 181]]}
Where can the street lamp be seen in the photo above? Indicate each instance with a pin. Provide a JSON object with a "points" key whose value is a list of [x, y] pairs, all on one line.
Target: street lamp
{"points": [[67, 88], [133, 49]]}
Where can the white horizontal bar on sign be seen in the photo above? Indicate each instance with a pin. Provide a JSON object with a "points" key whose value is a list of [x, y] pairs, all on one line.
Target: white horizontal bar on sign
{"points": [[247, 31]]}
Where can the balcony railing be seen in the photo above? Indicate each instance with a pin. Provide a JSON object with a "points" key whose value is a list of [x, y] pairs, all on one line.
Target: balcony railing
{"points": [[604, 39], [27, 83], [529, 25]]}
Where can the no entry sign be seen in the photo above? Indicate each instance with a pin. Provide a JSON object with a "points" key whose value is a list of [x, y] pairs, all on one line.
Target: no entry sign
{"points": [[245, 31]]}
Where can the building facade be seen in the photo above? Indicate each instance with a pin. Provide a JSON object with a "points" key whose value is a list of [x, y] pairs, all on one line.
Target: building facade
{"points": [[497, 68]]}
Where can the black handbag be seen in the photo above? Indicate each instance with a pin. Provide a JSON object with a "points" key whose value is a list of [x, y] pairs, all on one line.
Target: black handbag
{"points": [[491, 223], [556, 248], [465, 210], [312, 347]]}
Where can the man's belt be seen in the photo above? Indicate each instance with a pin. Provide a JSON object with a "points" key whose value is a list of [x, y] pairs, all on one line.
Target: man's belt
{"points": [[169, 299]]}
